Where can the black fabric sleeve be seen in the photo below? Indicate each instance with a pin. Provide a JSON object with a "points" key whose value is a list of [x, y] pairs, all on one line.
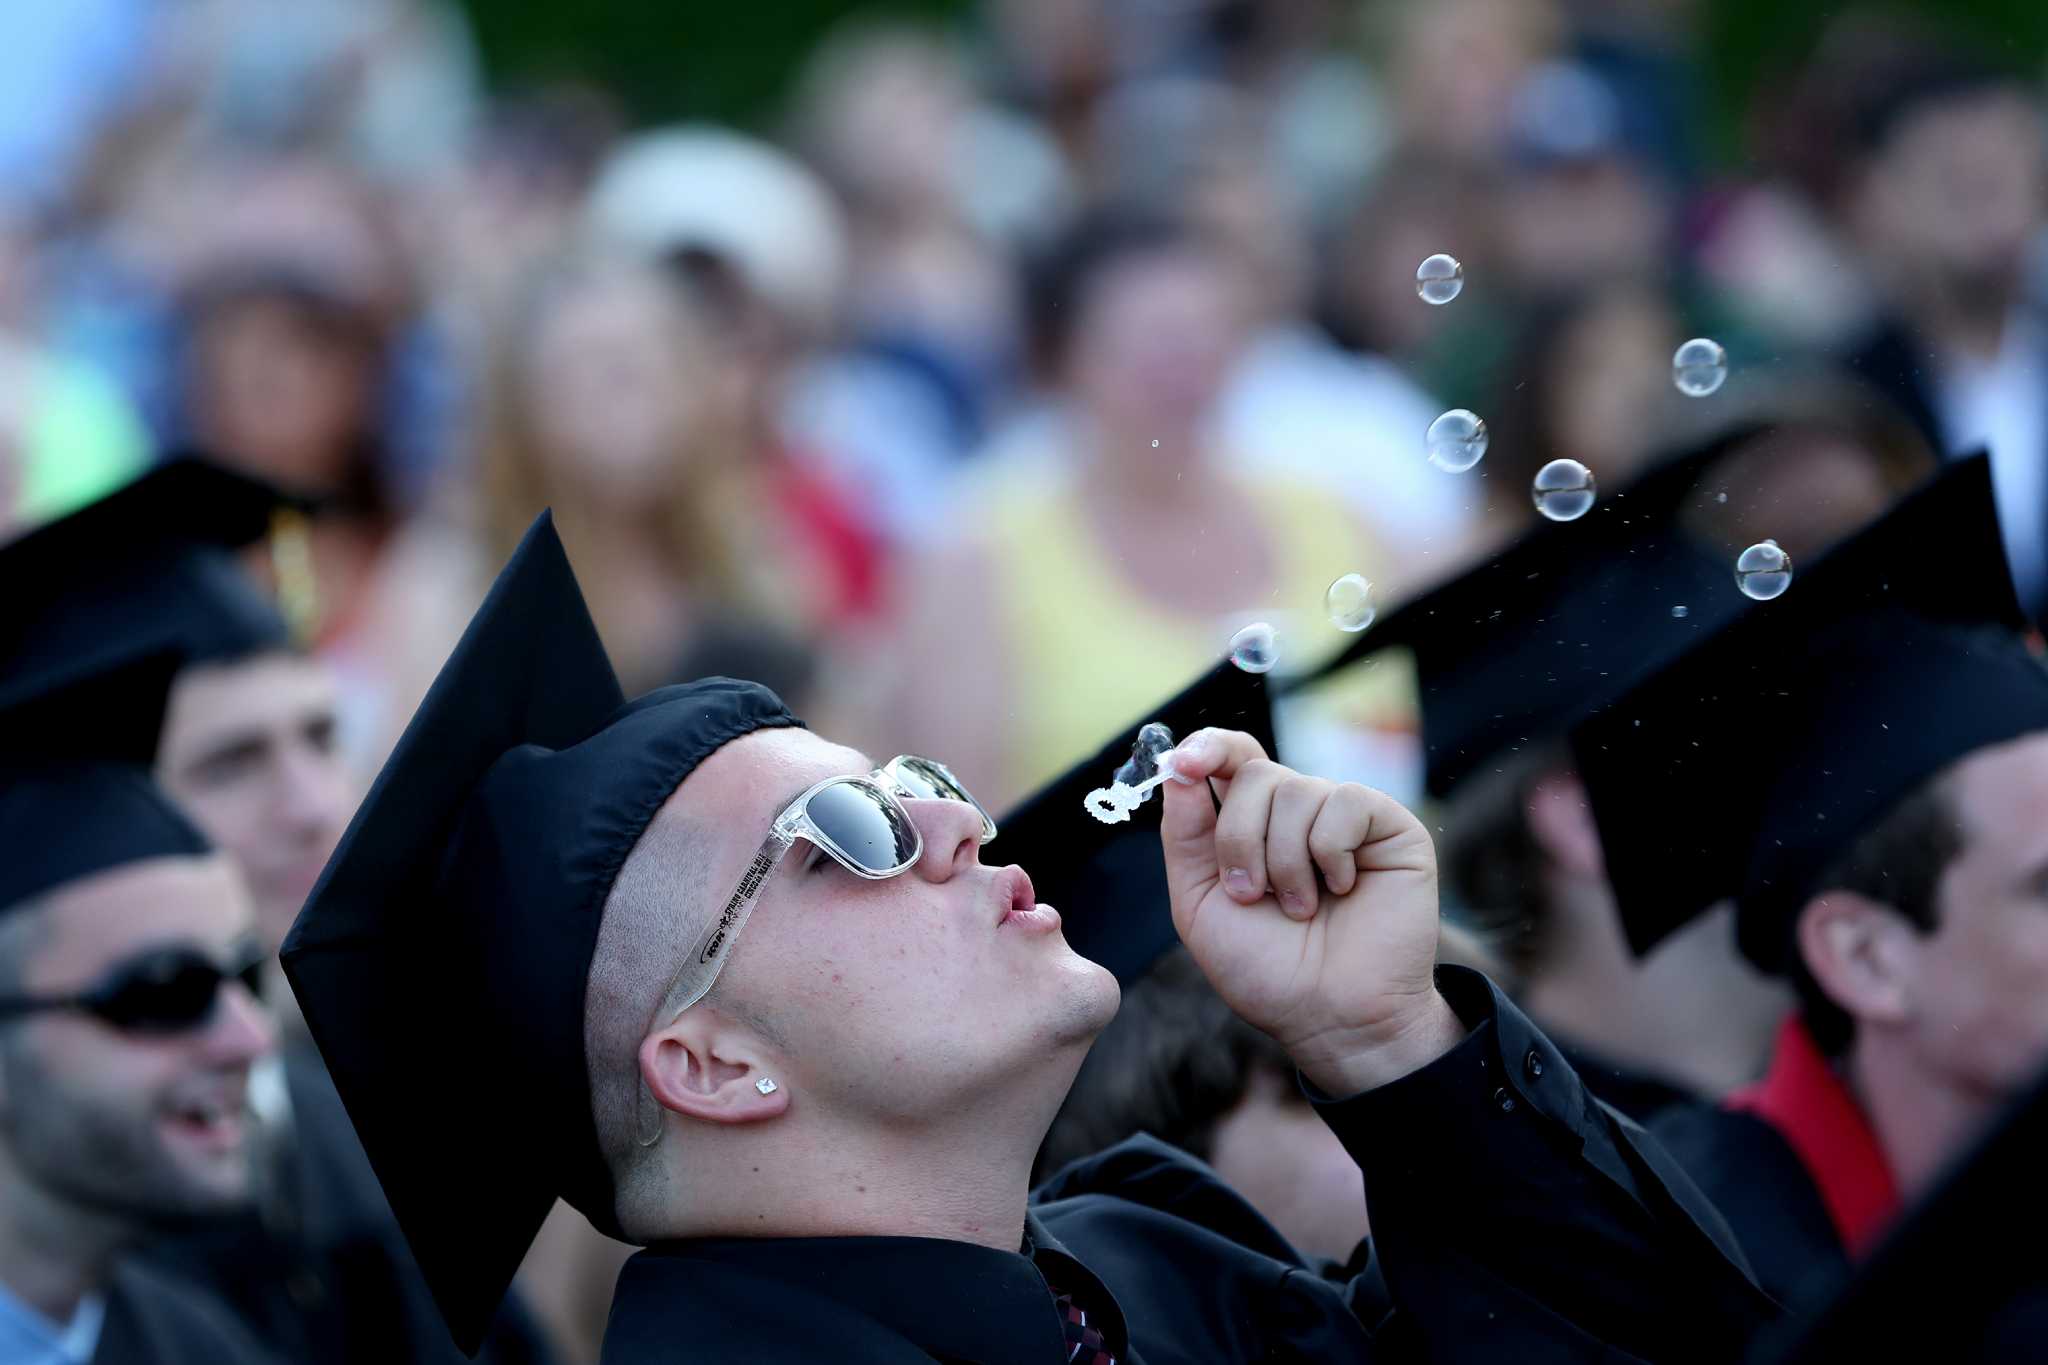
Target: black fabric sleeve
{"points": [[1515, 1217]]}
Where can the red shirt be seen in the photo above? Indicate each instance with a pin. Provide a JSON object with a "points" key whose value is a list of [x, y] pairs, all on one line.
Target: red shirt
{"points": [[1811, 1108]]}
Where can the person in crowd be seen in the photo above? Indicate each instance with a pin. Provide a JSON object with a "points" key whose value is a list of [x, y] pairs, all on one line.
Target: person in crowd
{"points": [[314, 1268], [769, 1013], [762, 246], [939, 187], [605, 403], [1944, 199], [129, 1028], [1860, 767], [1138, 549], [1588, 378]]}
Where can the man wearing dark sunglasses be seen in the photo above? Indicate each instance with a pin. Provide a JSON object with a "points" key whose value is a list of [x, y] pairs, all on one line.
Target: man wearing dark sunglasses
{"points": [[245, 746], [752, 999], [128, 1030]]}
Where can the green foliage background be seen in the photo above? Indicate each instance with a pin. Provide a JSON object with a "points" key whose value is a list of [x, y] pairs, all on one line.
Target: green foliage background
{"points": [[733, 59]]}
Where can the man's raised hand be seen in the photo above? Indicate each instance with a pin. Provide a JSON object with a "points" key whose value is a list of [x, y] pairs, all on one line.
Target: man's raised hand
{"points": [[1311, 906]]}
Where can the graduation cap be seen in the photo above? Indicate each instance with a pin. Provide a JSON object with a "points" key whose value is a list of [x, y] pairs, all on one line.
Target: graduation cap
{"points": [[1749, 766], [1944, 1284], [464, 902], [1557, 624], [150, 568], [1109, 881], [76, 797]]}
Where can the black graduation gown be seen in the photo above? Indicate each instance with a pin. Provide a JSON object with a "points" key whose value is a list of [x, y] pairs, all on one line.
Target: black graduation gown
{"points": [[1763, 1189], [321, 1273], [153, 1319], [1514, 1218]]}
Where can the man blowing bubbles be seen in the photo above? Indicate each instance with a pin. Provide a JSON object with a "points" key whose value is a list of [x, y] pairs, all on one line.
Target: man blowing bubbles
{"points": [[745, 998]]}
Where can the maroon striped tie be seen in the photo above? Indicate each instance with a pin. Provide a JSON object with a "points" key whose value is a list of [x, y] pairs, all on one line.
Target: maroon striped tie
{"points": [[1085, 1345]]}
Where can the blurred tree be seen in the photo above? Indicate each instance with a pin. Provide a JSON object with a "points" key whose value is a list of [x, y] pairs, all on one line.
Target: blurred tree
{"points": [[670, 59], [1748, 44]]}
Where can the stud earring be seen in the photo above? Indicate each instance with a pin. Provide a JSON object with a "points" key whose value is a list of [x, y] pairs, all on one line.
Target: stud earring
{"points": [[765, 1086]]}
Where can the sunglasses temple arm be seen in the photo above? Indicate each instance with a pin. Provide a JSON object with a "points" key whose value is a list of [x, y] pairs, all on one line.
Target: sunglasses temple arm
{"points": [[712, 949]]}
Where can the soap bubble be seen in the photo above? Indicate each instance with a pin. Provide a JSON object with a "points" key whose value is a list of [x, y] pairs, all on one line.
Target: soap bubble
{"points": [[1763, 571], [1699, 367], [1457, 441], [1681, 612], [1155, 445], [1563, 490], [1348, 603], [1439, 279], [1154, 742], [1254, 648]]}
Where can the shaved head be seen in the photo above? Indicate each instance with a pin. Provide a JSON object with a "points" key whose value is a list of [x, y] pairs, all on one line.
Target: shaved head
{"points": [[653, 912]]}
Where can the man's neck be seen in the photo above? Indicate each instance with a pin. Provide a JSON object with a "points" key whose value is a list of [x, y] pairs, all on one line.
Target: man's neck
{"points": [[1921, 1120], [967, 1180], [869, 1184], [52, 1253]]}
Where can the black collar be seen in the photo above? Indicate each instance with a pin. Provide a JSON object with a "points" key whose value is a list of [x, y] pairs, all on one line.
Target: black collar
{"points": [[953, 1300]]}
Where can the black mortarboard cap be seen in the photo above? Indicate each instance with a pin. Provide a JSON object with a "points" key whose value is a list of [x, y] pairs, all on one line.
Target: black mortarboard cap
{"points": [[75, 793], [1518, 649], [148, 568], [1959, 1278], [1109, 881], [1749, 766], [464, 903]]}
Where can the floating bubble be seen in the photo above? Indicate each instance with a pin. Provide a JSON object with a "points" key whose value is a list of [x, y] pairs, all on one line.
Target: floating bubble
{"points": [[1348, 601], [1699, 367], [1254, 648], [1439, 279], [1155, 445], [1154, 742], [1456, 440], [1564, 490], [1763, 571], [1681, 612]]}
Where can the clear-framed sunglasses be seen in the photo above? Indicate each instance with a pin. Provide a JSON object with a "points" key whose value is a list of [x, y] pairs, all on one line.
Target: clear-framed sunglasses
{"points": [[860, 822]]}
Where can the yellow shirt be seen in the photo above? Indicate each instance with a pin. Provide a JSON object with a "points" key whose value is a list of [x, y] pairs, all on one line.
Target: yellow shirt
{"points": [[1088, 653]]}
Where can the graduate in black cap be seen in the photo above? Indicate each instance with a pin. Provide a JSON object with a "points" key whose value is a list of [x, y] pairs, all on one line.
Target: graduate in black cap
{"points": [[316, 1266], [1510, 654], [128, 1030], [1862, 767], [754, 999], [1956, 1250]]}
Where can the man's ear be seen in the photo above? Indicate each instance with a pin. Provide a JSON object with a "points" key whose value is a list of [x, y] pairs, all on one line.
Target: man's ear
{"points": [[703, 1068], [1862, 954], [1561, 821]]}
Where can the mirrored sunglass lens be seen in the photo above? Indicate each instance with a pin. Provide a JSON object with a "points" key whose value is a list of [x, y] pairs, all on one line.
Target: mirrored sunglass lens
{"points": [[171, 998], [925, 779], [867, 829]]}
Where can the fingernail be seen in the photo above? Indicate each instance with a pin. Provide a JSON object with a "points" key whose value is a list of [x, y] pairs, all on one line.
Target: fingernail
{"points": [[1195, 745], [1239, 881], [1294, 905]]}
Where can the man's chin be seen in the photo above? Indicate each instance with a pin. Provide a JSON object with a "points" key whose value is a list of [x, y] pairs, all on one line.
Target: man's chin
{"points": [[1092, 998]]}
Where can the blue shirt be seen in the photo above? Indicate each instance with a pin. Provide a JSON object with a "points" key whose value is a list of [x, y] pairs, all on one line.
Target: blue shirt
{"points": [[29, 1338]]}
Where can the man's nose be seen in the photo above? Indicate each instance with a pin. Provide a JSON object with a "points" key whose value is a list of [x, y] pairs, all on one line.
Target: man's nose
{"points": [[952, 837], [241, 1029], [314, 795]]}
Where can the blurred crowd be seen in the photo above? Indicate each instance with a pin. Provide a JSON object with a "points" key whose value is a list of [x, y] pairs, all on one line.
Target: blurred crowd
{"points": [[1079, 313], [1005, 371]]}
